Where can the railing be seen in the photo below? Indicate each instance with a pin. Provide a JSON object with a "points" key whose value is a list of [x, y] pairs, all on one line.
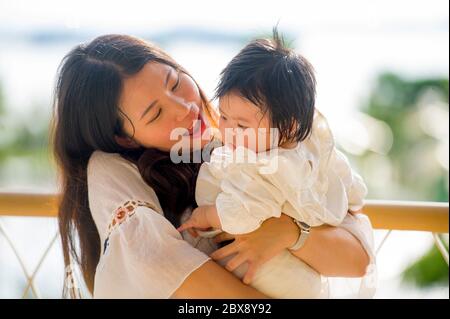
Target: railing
{"points": [[393, 215], [430, 217]]}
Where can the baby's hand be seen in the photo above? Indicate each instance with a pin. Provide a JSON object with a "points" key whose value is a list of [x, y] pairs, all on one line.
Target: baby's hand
{"points": [[202, 217]]}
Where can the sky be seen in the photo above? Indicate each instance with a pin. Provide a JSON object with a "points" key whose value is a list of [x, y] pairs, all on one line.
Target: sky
{"points": [[232, 14]]}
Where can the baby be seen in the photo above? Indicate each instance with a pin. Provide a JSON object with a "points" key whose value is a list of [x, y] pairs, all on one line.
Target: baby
{"points": [[278, 157]]}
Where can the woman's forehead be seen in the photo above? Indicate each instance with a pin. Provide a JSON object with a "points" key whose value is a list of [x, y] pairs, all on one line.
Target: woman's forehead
{"points": [[141, 89], [152, 74]]}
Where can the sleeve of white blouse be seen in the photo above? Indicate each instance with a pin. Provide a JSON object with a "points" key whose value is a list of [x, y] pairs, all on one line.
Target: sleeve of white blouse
{"points": [[307, 197], [145, 257], [285, 183], [359, 226], [142, 255], [245, 201], [353, 182]]}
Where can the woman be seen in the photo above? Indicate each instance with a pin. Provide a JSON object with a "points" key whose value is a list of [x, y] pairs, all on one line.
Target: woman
{"points": [[118, 99]]}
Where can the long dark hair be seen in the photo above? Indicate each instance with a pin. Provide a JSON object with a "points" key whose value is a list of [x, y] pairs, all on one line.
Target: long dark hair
{"points": [[87, 118]]}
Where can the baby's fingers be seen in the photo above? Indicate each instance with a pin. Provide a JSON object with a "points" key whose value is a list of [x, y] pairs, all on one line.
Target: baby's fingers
{"points": [[186, 225], [189, 227]]}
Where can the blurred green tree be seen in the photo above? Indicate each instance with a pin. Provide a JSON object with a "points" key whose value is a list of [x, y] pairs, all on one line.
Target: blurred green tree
{"points": [[417, 113], [24, 140], [429, 270]]}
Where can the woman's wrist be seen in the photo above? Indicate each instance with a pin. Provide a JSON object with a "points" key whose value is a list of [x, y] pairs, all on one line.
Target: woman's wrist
{"points": [[291, 231]]}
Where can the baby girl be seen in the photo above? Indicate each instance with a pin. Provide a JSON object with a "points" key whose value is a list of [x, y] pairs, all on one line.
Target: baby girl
{"points": [[278, 157]]}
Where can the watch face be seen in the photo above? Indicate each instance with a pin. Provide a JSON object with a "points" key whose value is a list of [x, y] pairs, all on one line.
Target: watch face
{"points": [[305, 226]]}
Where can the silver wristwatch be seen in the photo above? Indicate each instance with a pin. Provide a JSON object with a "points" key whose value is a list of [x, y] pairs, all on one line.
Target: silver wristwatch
{"points": [[304, 233]]}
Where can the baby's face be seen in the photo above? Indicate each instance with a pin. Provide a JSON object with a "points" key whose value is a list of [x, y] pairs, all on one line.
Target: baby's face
{"points": [[242, 123]]}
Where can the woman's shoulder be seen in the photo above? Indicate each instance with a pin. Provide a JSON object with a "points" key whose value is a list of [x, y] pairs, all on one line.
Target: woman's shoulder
{"points": [[112, 182], [103, 160], [114, 170]]}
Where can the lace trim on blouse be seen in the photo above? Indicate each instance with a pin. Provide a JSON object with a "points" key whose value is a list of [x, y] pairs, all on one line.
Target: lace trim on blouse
{"points": [[122, 214]]}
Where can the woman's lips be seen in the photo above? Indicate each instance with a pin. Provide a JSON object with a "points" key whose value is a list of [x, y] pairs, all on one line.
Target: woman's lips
{"points": [[197, 127], [190, 130]]}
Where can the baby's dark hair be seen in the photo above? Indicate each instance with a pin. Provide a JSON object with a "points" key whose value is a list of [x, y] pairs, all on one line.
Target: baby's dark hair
{"points": [[278, 80]]}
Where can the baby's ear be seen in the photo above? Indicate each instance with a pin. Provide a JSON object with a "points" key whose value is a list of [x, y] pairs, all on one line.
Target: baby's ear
{"points": [[126, 142]]}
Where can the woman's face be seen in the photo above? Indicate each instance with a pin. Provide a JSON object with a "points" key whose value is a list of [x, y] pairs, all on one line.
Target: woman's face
{"points": [[157, 100]]}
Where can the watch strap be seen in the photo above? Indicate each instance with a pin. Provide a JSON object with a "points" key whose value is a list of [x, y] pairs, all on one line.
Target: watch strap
{"points": [[304, 234]]}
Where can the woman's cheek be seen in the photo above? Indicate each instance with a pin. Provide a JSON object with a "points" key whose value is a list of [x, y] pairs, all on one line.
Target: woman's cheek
{"points": [[154, 138]]}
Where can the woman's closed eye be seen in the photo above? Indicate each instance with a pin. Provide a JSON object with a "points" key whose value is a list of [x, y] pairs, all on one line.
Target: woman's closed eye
{"points": [[154, 118], [177, 82]]}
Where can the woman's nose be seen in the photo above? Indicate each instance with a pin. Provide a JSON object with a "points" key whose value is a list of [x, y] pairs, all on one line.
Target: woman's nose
{"points": [[186, 111]]}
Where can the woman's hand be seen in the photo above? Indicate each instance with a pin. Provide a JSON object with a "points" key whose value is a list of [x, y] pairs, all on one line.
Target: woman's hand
{"points": [[331, 251], [259, 246]]}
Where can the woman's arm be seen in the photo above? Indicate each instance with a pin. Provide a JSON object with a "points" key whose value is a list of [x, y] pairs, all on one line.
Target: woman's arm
{"points": [[145, 257], [334, 252], [331, 251], [212, 281]]}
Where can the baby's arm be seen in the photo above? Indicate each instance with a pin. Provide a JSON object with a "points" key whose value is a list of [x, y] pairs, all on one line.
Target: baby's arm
{"points": [[203, 217], [243, 199], [306, 193], [355, 187], [245, 203]]}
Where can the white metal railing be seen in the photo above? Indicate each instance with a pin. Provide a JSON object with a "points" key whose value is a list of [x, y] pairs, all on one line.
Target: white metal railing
{"points": [[29, 276]]}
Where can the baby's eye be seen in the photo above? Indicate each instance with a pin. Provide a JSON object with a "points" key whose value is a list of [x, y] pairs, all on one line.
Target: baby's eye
{"points": [[223, 117], [242, 126]]}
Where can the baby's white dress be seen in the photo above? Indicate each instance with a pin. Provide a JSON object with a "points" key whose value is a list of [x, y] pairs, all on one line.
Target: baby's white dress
{"points": [[142, 255], [312, 183]]}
